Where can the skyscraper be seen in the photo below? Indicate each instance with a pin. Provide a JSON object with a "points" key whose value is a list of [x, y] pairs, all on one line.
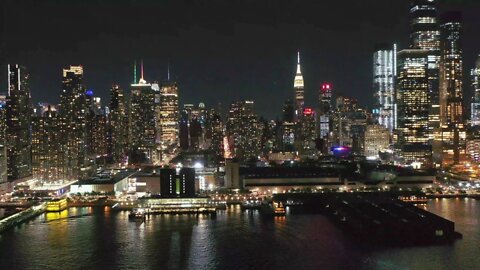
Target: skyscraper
{"points": [[298, 85], [475, 108], [425, 35], [73, 113], [117, 130], [142, 121], [453, 133], [307, 145], [324, 109], [18, 119], [243, 128], [413, 106], [3, 142], [451, 70], [47, 155], [169, 117], [384, 72]]}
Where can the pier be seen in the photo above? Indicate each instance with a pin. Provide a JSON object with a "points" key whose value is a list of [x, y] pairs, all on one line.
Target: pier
{"points": [[21, 216], [374, 218]]}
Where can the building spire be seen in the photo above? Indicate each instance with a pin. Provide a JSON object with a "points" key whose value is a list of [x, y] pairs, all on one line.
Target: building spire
{"points": [[298, 63], [135, 71], [168, 71], [141, 70]]}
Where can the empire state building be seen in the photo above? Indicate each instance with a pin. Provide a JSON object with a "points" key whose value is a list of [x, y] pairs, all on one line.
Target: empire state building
{"points": [[299, 91]]}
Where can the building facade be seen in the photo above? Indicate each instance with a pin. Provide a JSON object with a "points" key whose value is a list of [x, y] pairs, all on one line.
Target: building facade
{"points": [[384, 73], [18, 123]]}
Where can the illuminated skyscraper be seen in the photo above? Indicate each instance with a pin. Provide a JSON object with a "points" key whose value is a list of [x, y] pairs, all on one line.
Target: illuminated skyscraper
{"points": [[18, 119], [425, 35], [451, 70], [453, 133], [475, 110], [377, 139], [243, 128], [413, 106], [142, 121], [384, 72], [215, 132], [47, 156], [307, 146], [73, 114], [3, 142], [169, 117], [117, 130], [298, 85], [324, 109]]}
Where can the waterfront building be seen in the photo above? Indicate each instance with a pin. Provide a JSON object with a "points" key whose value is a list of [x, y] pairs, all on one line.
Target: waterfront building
{"points": [[475, 106], [384, 72], [413, 107], [177, 183], [73, 117], [18, 121], [377, 139], [117, 128]]}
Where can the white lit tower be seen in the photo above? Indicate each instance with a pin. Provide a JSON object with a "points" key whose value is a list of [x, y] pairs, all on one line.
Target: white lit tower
{"points": [[299, 91], [384, 72]]}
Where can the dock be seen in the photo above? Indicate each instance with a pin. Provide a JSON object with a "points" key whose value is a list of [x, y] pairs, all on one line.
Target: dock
{"points": [[375, 218], [22, 216]]}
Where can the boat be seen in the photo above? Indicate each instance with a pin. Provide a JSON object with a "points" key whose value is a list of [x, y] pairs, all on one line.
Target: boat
{"points": [[413, 199], [273, 209], [137, 214]]}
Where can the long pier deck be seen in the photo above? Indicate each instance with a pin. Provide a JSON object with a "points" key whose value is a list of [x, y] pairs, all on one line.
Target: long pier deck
{"points": [[375, 217]]}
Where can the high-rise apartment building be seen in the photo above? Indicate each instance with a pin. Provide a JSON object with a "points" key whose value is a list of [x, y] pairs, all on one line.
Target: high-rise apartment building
{"points": [[117, 127], [243, 128], [47, 155], [3, 142], [73, 118], [18, 121]]}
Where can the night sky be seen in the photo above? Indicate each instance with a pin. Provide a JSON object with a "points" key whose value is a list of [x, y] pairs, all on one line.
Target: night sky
{"points": [[219, 51]]}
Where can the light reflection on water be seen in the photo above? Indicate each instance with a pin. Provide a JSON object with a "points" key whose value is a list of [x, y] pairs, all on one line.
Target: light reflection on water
{"points": [[99, 238]]}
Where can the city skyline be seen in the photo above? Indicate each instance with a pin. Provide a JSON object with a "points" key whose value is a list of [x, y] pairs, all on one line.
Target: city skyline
{"points": [[216, 59]]}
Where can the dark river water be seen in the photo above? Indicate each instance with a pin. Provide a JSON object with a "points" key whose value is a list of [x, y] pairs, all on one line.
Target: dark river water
{"points": [[88, 238]]}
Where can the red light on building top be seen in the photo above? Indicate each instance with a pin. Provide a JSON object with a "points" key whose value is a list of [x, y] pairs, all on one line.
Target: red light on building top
{"points": [[307, 111], [326, 86]]}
